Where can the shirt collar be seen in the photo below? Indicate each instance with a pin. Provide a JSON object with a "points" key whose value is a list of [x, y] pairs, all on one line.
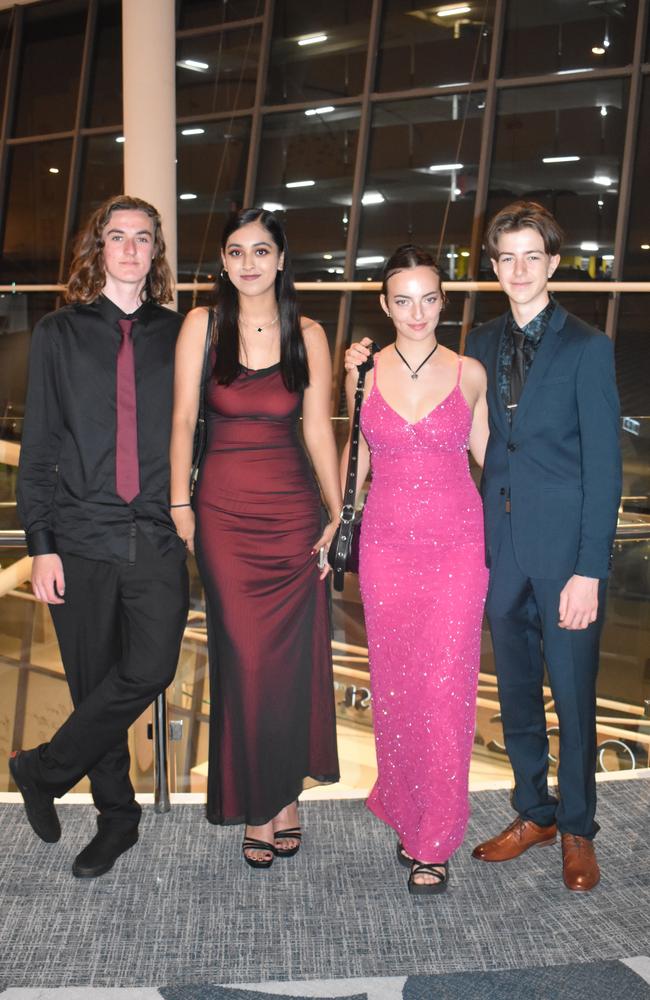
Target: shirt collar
{"points": [[534, 330], [112, 312]]}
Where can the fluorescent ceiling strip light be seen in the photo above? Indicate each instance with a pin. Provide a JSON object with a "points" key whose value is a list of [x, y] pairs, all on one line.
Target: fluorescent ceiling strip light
{"points": [[372, 198], [560, 159], [312, 40], [300, 184], [445, 167], [589, 246], [451, 11], [582, 69], [193, 131], [272, 206], [310, 112], [369, 261], [188, 196]]}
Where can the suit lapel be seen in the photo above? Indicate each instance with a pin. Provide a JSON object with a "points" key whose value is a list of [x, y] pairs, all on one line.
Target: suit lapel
{"points": [[495, 402], [543, 357]]}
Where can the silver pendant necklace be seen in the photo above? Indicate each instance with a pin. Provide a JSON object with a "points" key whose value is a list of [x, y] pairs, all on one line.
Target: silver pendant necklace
{"points": [[414, 371], [265, 326]]}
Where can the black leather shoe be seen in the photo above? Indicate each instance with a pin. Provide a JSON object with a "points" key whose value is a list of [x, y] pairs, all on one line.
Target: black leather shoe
{"points": [[39, 805], [99, 856]]}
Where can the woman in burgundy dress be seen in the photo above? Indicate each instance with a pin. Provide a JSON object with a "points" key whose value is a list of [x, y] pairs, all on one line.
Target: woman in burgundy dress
{"points": [[259, 528]]}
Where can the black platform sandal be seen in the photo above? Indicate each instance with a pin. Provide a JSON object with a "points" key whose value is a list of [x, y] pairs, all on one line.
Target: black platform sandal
{"points": [[293, 833], [403, 858], [428, 888], [251, 844]]}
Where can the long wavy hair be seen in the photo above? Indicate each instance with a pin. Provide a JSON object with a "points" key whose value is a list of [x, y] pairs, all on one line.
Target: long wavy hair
{"points": [[87, 273], [407, 256], [293, 356]]}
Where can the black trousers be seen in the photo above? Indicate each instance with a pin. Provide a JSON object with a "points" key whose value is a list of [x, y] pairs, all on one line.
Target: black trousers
{"points": [[523, 617], [119, 633]]}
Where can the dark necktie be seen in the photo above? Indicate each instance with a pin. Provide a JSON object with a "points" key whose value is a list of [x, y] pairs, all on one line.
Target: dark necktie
{"points": [[127, 468], [518, 371]]}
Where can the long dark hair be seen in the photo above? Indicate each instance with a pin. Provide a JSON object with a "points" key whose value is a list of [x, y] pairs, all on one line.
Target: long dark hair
{"points": [[293, 357], [407, 256]]}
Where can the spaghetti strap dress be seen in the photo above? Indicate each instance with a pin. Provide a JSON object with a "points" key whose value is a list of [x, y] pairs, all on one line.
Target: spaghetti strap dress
{"points": [[258, 514], [423, 584]]}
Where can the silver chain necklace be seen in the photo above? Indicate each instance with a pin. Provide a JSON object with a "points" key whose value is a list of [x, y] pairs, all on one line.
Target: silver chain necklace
{"points": [[265, 326]]}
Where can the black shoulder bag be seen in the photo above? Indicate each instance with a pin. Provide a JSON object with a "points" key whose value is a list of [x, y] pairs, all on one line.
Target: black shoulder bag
{"points": [[343, 555], [201, 431]]}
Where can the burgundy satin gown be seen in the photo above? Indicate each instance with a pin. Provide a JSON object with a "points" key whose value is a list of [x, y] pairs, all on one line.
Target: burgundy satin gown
{"points": [[258, 514]]}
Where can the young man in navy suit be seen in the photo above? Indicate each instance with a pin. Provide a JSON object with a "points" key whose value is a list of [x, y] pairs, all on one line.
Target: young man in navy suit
{"points": [[551, 489]]}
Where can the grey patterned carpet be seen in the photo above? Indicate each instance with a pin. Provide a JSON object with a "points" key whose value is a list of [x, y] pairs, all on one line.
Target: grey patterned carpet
{"points": [[181, 911]]}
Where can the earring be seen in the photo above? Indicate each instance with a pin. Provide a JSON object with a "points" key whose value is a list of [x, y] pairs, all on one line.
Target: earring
{"points": [[224, 274]]}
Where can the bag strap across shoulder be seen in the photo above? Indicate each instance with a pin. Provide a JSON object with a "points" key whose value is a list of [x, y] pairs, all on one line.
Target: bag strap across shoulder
{"points": [[350, 493]]}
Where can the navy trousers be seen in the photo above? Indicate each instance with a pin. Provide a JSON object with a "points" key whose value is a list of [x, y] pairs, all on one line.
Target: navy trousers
{"points": [[523, 617]]}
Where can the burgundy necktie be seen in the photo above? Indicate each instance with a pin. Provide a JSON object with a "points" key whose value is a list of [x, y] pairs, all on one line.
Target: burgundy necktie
{"points": [[127, 469]]}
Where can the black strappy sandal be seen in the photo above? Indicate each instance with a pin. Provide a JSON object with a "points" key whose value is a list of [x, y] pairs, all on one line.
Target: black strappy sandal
{"points": [[251, 844], [428, 888], [403, 858], [293, 833]]}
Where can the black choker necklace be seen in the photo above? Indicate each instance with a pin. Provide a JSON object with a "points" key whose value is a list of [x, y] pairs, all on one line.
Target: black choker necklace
{"points": [[414, 371]]}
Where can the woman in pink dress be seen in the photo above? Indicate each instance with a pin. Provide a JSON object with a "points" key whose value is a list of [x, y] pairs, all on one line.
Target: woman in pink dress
{"points": [[422, 570]]}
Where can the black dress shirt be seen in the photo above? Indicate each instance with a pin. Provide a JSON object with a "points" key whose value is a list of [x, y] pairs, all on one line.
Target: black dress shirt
{"points": [[532, 334], [66, 478]]}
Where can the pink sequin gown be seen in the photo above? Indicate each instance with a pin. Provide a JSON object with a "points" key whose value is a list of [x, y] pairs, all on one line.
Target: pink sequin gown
{"points": [[423, 583]]}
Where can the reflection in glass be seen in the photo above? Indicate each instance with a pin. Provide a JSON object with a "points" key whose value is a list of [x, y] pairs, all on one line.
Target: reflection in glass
{"points": [[555, 145], [305, 170], [420, 47], [101, 177], [556, 37], [318, 50], [206, 13], [5, 45], [18, 314], [633, 359], [421, 180], [211, 175], [217, 72], [637, 258], [48, 80], [105, 89], [35, 210]]}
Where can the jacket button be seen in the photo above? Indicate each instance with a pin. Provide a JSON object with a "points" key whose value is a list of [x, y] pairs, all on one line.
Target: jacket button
{"points": [[512, 447], [502, 491]]}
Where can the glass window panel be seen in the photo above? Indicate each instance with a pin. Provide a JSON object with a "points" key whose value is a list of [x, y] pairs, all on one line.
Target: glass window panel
{"points": [[102, 174], [637, 257], [561, 35], [589, 307], [323, 308], [322, 150], [5, 48], [35, 211], [633, 359], [564, 120], [330, 68], [419, 48], [105, 91], [406, 200], [211, 166], [48, 80], [217, 72], [207, 13]]}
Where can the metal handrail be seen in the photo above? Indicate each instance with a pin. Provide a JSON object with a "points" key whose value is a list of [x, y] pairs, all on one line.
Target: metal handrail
{"points": [[18, 573], [375, 286]]}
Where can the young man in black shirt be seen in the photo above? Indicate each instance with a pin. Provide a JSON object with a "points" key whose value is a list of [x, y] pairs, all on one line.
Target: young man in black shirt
{"points": [[93, 497]]}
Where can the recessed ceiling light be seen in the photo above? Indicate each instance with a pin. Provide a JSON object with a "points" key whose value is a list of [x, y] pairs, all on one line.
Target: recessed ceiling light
{"points": [[194, 64], [598, 50], [119, 138], [312, 40], [299, 184], [603, 180], [451, 11], [603, 111], [369, 261], [54, 170], [328, 256], [310, 112], [600, 203], [372, 198], [464, 253], [272, 206], [188, 196], [560, 159], [645, 246], [608, 256], [193, 131], [445, 168], [589, 246]]}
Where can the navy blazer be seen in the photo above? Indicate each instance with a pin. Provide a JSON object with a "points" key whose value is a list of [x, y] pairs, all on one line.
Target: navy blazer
{"points": [[559, 460]]}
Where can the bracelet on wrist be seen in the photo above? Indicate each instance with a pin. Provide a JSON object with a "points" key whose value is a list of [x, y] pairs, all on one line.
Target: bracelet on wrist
{"points": [[172, 505]]}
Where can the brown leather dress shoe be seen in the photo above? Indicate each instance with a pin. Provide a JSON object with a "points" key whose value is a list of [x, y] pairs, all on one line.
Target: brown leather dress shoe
{"points": [[580, 869], [514, 840]]}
